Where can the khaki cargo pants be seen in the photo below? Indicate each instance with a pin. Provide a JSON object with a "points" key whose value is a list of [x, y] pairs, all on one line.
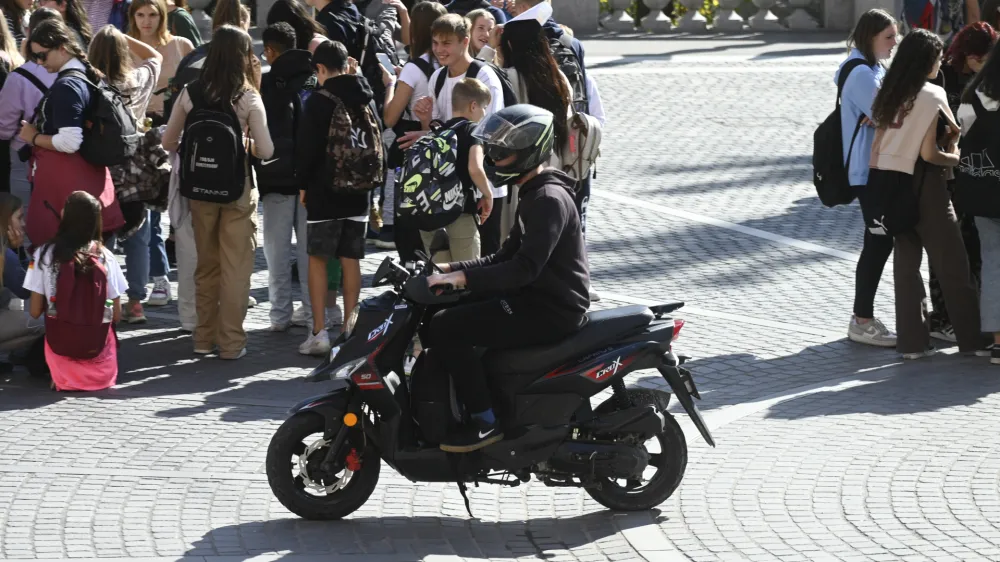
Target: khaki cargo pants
{"points": [[463, 236]]}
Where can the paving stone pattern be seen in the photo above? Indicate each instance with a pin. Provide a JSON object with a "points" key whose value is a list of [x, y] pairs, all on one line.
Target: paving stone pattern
{"points": [[826, 450]]}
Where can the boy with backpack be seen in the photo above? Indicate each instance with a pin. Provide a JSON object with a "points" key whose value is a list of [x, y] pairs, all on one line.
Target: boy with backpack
{"points": [[443, 169], [340, 160], [284, 90], [451, 35]]}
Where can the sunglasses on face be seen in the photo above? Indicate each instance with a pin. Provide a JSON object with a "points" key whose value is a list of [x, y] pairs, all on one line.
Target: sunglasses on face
{"points": [[39, 56]]}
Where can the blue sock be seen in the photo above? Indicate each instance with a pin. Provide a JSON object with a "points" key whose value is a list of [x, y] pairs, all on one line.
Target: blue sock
{"points": [[485, 416]]}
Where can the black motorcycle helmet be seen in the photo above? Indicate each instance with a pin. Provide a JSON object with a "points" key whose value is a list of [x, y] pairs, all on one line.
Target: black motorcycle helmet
{"points": [[523, 131]]}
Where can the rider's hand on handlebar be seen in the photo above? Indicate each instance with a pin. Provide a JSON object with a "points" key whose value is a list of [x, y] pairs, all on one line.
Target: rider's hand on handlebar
{"points": [[455, 280]]}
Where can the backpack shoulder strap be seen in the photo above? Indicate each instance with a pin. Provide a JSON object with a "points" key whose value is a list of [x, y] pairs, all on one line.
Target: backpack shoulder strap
{"points": [[474, 67], [424, 66], [32, 78], [845, 71], [439, 84], [196, 93], [977, 105]]}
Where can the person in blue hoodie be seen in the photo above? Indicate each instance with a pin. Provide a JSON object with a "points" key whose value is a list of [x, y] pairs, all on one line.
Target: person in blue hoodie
{"points": [[872, 40]]}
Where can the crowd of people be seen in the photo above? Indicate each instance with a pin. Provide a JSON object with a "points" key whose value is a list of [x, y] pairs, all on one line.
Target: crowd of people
{"points": [[320, 144], [915, 133]]}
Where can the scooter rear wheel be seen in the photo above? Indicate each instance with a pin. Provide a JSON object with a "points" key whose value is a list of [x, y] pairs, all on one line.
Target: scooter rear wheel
{"points": [[293, 459], [669, 463]]}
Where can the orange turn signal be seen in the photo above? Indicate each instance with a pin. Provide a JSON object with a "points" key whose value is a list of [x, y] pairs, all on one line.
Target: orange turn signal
{"points": [[350, 420]]}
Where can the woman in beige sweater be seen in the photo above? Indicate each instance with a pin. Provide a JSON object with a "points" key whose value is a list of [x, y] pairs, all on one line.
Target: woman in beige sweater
{"points": [[915, 148], [225, 234]]}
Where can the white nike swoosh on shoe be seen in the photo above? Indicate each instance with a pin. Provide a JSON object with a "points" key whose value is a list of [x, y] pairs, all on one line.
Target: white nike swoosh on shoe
{"points": [[268, 162], [483, 435]]}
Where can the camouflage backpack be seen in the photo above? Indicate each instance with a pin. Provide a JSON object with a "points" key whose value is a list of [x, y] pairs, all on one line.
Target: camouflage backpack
{"points": [[355, 153]]}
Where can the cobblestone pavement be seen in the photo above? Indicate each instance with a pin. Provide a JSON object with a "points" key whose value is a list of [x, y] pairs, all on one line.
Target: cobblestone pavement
{"points": [[826, 450]]}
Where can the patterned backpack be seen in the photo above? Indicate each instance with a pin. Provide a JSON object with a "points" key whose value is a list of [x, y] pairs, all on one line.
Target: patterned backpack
{"points": [[355, 153]]}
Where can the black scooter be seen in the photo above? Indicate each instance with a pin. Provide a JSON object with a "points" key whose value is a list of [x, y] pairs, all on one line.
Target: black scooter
{"points": [[323, 462]]}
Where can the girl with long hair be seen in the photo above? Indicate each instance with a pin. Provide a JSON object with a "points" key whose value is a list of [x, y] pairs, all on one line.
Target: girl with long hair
{"points": [[77, 241], [984, 90], [483, 23], [148, 23], [9, 53], [308, 32], [16, 13], [112, 52], [413, 84], [18, 99], [225, 234], [869, 46], [916, 144], [57, 134], [75, 16], [16, 332]]}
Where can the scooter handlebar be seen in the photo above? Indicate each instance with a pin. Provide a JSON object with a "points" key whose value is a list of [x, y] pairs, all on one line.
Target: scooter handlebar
{"points": [[417, 289]]}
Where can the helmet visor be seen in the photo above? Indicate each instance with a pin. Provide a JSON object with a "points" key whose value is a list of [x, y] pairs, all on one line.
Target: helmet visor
{"points": [[497, 132]]}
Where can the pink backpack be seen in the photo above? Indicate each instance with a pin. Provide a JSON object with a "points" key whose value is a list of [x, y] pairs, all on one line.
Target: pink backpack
{"points": [[77, 328]]}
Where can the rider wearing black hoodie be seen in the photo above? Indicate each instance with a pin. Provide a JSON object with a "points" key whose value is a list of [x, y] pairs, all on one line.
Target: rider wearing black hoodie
{"points": [[535, 289]]}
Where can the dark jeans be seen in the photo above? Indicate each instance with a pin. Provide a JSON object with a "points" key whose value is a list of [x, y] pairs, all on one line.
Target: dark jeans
{"points": [[499, 323], [158, 264], [874, 255], [489, 232]]}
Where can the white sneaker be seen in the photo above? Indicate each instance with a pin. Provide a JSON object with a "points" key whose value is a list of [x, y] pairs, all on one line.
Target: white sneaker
{"points": [[240, 355], [302, 317], [316, 344], [282, 327], [334, 316], [161, 292], [252, 302], [873, 332]]}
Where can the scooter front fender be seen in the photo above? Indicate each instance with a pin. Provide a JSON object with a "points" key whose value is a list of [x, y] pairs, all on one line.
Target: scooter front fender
{"points": [[332, 405]]}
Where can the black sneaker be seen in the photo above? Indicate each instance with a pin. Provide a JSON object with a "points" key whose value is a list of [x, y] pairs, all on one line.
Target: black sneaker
{"points": [[472, 437]]}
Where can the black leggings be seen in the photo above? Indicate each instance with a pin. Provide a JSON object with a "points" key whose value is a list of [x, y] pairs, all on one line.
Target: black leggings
{"points": [[499, 323], [874, 255]]}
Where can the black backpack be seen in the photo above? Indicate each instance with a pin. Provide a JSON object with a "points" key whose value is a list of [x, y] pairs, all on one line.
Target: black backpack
{"points": [[188, 70], [829, 170], [368, 42], [283, 103], [110, 133], [509, 97], [977, 185], [213, 155], [570, 65]]}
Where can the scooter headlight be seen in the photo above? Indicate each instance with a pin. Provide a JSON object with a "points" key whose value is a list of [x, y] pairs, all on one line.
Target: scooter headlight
{"points": [[347, 369]]}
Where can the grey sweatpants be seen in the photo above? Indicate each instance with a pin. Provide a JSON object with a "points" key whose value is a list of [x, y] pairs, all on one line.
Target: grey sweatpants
{"points": [[989, 302]]}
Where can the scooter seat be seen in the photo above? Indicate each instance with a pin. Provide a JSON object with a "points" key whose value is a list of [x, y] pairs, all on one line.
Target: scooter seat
{"points": [[603, 327]]}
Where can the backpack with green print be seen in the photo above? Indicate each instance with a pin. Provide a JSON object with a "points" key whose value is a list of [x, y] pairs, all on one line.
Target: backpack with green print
{"points": [[430, 191]]}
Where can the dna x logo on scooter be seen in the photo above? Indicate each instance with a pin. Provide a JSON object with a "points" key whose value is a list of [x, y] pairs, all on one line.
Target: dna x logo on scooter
{"points": [[628, 452]]}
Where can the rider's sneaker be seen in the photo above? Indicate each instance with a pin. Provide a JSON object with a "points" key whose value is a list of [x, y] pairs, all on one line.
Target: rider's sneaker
{"points": [[473, 436]]}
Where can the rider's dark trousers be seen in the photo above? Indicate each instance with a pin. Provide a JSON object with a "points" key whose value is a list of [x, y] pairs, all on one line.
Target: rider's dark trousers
{"points": [[499, 323]]}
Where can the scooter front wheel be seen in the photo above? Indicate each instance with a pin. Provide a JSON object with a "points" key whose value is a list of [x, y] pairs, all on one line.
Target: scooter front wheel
{"points": [[300, 482]]}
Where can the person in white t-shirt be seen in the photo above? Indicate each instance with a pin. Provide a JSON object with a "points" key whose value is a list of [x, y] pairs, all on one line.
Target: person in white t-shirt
{"points": [[450, 35]]}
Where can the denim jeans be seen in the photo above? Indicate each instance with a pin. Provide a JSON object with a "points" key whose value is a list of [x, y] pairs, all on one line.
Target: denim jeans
{"points": [[20, 187], [137, 262], [283, 215], [158, 265]]}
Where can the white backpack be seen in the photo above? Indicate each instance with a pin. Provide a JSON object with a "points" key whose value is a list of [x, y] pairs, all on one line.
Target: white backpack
{"points": [[583, 146]]}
